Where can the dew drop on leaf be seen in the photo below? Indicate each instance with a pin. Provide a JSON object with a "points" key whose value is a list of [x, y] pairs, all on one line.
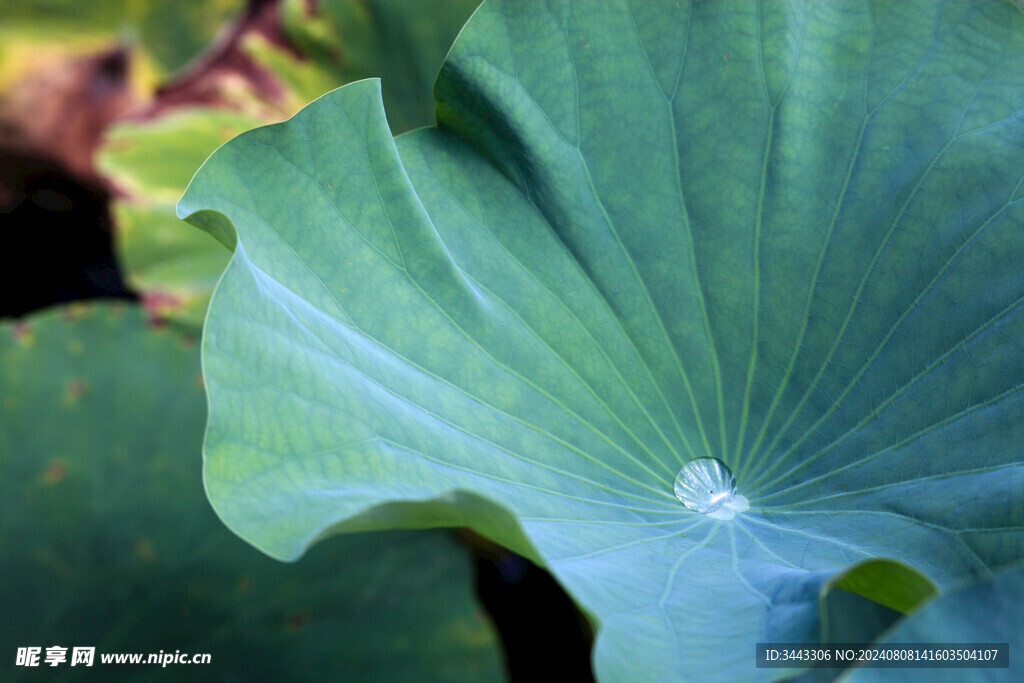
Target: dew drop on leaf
{"points": [[706, 485]]}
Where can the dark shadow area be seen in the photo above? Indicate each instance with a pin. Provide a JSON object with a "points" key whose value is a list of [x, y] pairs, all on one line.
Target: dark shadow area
{"points": [[544, 634], [56, 232]]}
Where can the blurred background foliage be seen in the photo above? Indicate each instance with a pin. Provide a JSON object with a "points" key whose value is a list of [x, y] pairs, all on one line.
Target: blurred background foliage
{"points": [[114, 546], [170, 32], [106, 111], [278, 57]]}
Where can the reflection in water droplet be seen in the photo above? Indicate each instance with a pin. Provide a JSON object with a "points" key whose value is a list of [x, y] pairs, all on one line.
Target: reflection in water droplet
{"points": [[706, 485]]}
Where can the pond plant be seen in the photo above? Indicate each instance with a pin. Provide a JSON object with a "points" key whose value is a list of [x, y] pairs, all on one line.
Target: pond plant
{"points": [[770, 249]]}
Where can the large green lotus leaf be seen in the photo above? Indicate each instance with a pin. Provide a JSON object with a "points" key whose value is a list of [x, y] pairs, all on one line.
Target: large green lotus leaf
{"points": [[109, 542], [986, 612], [783, 235]]}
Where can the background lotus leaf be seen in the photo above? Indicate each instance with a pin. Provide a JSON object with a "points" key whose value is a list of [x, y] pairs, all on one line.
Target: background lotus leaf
{"points": [[114, 546], [985, 612]]}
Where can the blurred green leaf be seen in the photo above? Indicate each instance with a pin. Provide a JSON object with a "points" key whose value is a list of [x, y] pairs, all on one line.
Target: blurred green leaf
{"points": [[989, 611], [108, 540], [173, 266], [894, 584], [154, 160], [172, 31]]}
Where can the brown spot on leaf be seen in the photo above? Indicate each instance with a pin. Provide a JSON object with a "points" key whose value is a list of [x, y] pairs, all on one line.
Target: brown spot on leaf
{"points": [[144, 550], [73, 390], [160, 304], [55, 472], [22, 334], [77, 310], [296, 620]]}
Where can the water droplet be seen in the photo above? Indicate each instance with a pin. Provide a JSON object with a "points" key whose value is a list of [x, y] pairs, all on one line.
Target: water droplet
{"points": [[706, 485]]}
